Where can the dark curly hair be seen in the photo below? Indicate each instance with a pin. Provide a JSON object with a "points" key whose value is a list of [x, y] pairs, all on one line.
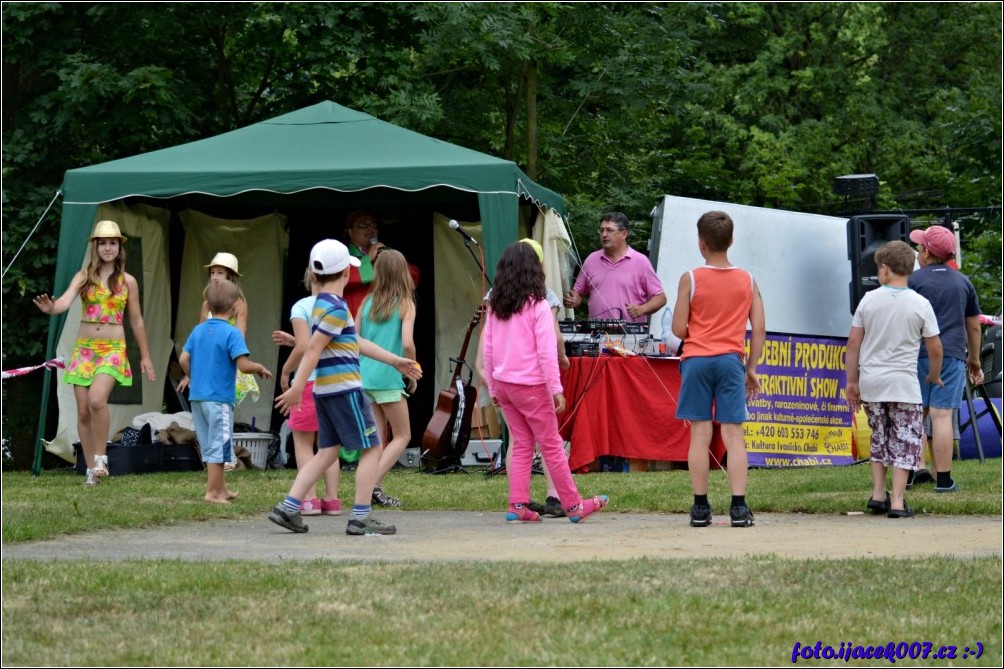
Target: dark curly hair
{"points": [[519, 278]]}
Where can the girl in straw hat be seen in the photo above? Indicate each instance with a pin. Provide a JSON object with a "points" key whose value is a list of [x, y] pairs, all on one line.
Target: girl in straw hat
{"points": [[224, 267], [99, 360]]}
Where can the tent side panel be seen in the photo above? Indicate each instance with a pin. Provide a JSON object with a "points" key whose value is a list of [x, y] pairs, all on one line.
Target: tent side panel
{"points": [[500, 223]]}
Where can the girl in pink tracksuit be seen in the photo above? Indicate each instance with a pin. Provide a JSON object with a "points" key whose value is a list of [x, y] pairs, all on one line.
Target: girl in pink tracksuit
{"points": [[521, 370]]}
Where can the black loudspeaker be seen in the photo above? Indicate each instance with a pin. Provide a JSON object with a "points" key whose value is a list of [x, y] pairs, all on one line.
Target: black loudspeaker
{"points": [[866, 234]]}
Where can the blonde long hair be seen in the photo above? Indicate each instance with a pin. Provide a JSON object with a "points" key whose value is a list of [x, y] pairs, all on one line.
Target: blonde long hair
{"points": [[392, 285], [116, 282]]}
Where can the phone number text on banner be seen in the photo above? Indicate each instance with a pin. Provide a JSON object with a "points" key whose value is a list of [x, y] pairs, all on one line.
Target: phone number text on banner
{"points": [[801, 417]]}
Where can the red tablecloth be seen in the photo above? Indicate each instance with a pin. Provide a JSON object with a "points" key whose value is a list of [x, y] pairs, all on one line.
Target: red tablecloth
{"points": [[626, 407]]}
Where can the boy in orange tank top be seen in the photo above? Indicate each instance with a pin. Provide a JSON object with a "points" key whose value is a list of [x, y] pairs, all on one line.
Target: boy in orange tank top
{"points": [[713, 305]]}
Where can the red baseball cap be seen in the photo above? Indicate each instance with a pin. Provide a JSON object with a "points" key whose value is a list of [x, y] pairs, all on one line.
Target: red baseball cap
{"points": [[939, 241]]}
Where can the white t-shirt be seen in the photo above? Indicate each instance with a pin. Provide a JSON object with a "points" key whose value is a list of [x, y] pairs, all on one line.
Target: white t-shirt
{"points": [[895, 321]]}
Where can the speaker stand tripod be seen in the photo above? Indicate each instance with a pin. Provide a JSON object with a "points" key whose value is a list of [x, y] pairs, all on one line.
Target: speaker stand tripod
{"points": [[447, 465], [973, 420]]}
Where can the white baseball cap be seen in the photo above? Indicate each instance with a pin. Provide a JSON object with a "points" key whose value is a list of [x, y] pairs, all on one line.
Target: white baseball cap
{"points": [[330, 256]]}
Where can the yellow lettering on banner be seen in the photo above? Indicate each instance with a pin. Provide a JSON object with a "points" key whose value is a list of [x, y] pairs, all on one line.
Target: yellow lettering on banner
{"points": [[775, 353], [824, 387], [781, 384], [820, 356]]}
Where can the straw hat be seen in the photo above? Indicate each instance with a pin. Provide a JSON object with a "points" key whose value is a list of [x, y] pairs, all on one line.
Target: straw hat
{"points": [[227, 260], [107, 230]]}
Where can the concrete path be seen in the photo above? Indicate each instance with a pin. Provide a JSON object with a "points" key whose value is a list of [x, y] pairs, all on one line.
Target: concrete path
{"points": [[426, 536]]}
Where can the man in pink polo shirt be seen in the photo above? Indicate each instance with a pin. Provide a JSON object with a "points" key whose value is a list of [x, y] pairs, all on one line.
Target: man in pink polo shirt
{"points": [[618, 281]]}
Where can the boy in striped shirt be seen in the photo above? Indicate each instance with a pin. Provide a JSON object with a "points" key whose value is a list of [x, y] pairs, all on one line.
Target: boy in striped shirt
{"points": [[344, 416]]}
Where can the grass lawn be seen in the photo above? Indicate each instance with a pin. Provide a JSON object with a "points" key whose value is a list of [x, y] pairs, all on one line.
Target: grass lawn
{"points": [[722, 612]]}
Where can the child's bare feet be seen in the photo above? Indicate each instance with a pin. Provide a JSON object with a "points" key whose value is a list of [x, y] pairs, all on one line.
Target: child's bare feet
{"points": [[231, 494], [216, 499]]}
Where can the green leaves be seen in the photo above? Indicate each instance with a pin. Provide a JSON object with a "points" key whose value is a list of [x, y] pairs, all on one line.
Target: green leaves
{"points": [[755, 103]]}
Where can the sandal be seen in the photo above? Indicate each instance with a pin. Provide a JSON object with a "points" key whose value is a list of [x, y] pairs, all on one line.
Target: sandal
{"points": [[878, 507], [905, 512]]}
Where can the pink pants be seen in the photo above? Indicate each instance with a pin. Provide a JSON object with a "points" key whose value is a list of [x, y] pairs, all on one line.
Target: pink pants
{"points": [[529, 411]]}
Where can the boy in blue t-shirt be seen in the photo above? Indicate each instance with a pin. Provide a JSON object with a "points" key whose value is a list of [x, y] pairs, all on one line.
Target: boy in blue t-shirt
{"points": [[344, 416], [211, 357]]}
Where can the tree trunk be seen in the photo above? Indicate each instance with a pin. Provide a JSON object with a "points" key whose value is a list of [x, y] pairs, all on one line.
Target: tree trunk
{"points": [[532, 168]]}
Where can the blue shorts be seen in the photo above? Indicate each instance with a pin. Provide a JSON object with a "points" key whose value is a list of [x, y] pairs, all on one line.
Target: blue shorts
{"points": [[953, 374], [720, 379], [214, 428], [345, 420]]}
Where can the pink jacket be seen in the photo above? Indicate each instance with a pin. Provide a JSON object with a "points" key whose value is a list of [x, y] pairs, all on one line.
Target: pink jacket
{"points": [[523, 349]]}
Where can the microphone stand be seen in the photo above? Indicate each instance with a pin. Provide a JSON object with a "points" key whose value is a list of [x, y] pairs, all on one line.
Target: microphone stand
{"points": [[467, 243]]}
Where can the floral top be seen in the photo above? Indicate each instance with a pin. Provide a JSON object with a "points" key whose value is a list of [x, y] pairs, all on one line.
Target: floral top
{"points": [[100, 305]]}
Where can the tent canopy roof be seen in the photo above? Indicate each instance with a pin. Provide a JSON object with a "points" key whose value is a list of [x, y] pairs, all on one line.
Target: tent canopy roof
{"points": [[322, 146]]}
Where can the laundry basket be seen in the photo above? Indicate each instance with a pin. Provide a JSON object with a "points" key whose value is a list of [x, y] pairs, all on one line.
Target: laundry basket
{"points": [[257, 444]]}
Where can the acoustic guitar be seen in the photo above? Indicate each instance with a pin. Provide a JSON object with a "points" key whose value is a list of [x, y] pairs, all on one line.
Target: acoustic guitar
{"points": [[449, 430]]}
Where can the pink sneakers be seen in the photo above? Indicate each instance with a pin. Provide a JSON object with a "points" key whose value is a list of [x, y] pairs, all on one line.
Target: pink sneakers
{"points": [[311, 507], [586, 508], [317, 507], [331, 507], [523, 515]]}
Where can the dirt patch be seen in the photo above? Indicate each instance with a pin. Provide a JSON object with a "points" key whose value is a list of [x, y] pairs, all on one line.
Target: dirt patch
{"points": [[458, 536]]}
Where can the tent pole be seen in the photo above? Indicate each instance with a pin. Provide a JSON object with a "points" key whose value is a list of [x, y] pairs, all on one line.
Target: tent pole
{"points": [[36, 466]]}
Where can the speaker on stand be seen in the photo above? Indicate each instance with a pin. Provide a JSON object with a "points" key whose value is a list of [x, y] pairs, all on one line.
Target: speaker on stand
{"points": [[866, 234]]}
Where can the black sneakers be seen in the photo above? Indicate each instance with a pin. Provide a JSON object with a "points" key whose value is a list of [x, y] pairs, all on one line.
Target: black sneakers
{"points": [[700, 515], [919, 476], [741, 516], [552, 507], [536, 507], [380, 498], [291, 520]]}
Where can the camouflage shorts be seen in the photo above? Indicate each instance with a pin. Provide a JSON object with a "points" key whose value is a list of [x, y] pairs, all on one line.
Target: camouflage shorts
{"points": [[896, 433]]}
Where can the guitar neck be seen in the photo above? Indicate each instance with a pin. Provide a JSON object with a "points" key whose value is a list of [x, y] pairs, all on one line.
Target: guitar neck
{"points": [[462, 358]]}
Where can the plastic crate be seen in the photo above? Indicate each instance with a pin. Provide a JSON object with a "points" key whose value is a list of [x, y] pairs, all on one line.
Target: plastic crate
{"points": [[257, 444], [140, 459]]}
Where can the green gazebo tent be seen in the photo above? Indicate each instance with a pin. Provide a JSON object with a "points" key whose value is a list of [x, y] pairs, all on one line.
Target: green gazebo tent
{"points": [[323, 157]]}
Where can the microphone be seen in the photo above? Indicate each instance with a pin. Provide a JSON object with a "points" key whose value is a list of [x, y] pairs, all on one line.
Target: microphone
{"points": [[456, 226]]}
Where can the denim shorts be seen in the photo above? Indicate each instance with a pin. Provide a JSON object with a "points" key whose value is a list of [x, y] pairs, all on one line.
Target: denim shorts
{"points": [[718, 379], [214, 428], [953, 374], [346, 420]]}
